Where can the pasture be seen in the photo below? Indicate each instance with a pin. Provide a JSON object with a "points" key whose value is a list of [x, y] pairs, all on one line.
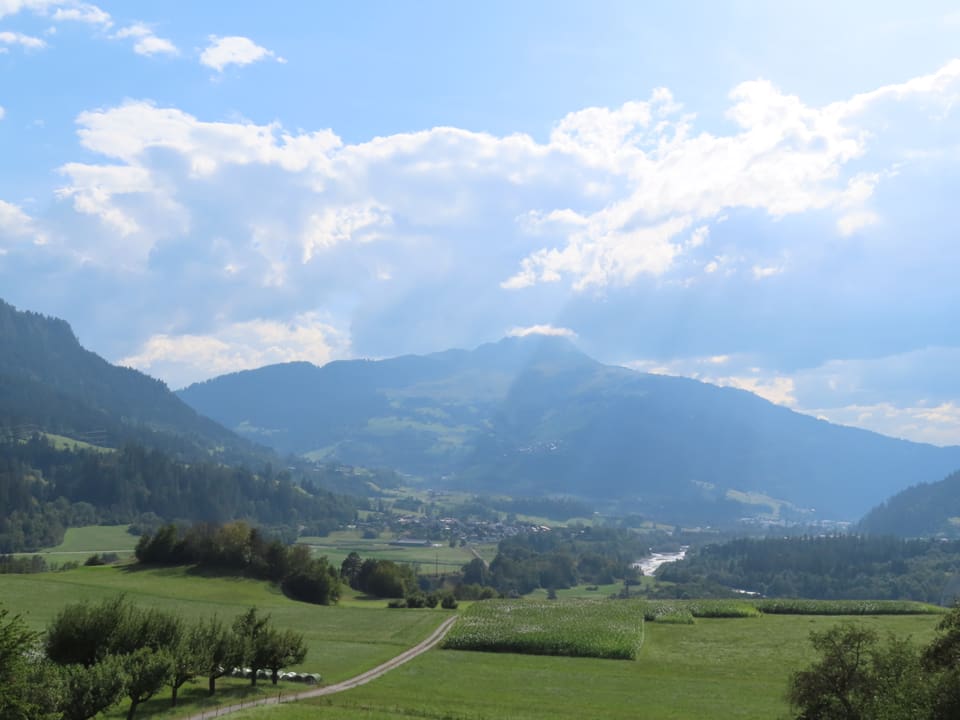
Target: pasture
{"points": [[342, 640], [443, 558], [81, 542], [722, 669]]}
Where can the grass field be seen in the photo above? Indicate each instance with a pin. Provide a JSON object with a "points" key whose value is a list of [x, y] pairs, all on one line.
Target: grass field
{"points": [[342, 641], [81, 542], [718, 668], [337, 545]]}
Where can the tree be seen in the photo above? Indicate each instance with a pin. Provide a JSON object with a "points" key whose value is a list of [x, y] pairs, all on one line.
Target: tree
{"points": [[28, 690], [215, 650], [251, 631], [183, 661], [317, 583], [88, 691], [82, 633], [148, 670], [350, 569], [839, 685], [282, 649], [857, 678]]}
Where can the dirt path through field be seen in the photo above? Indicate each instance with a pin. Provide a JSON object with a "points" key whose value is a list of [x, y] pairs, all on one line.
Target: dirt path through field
{"points": [[362, 679]]}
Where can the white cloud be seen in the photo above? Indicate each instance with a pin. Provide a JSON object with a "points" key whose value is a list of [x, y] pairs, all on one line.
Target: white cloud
{"points": [[332, 226], [16, 225], [147, 43], [233, 50], [779, 390], [187, 358], [548, 330], [3, 112], [765, 271], [934, 424], [153, 45], [889, 395], [26, 41], [82, 12], [614, 195], [12, 7]]}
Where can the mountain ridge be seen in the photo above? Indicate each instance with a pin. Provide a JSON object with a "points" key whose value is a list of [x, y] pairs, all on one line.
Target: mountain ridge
{"points": [[49, 382], [536, 415]]}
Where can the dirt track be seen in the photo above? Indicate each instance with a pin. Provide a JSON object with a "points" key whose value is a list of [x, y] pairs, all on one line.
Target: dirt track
{"points": [[435, 637]]}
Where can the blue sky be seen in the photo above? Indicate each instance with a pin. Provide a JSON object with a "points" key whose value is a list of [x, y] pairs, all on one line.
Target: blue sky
{"points": [[754, 194]]}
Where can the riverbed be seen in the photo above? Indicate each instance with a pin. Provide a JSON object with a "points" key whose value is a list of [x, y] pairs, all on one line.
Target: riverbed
{"points": [[649, 564]]}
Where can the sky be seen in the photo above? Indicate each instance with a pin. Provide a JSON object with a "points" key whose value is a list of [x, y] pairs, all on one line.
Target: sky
{"points": [[754, 194]]}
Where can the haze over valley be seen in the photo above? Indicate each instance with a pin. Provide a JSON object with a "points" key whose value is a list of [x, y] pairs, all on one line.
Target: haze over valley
{"points": [[532, 360]]}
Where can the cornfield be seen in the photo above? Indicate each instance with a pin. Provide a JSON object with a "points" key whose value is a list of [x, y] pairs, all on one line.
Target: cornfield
{"points": [[581, 628]]}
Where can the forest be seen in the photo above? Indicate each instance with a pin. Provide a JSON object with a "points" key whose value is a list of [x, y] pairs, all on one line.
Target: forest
{"points": [[45, 489], [825, 567]]}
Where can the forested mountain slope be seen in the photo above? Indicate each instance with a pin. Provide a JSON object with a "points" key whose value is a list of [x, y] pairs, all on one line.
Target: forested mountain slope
{"points": [[922, 510], [50, 383], [534, 415]]}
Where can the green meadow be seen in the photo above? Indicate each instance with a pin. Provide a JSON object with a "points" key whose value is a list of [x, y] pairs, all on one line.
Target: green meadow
{"points": [[337, 545], [712, 667], [716, 668], [81, 542], [343, 640]]}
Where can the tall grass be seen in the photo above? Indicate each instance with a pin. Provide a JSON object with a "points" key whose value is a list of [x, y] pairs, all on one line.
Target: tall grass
{"points": [[579, 628]]}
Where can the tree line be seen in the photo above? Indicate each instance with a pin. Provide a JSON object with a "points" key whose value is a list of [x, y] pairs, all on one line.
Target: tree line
{"points": [[241, 548], [560, 558], [93, 656], [44, 490], [853, 567]]}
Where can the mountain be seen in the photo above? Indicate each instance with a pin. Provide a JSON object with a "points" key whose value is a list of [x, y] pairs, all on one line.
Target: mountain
{"points": [[926, 509], [534, 415], [50, 383]]}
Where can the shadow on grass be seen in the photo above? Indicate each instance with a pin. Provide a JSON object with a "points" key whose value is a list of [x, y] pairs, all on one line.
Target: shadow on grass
{"points": [[193, 698]]}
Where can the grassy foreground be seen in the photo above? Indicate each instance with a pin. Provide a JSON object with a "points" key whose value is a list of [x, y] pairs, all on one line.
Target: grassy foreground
{"points": [[342, 640], [717, 668]]}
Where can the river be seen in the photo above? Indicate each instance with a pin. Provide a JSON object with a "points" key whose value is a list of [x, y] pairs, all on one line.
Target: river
{"points": [[649, 564]]}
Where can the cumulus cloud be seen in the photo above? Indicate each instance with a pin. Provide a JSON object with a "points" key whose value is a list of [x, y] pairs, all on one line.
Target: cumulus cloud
{"points": [[183, 359], [450, 226], [889, 394], [146, 42], [548, 330], [234, 50], [82, 12], [25, 41], [16, 225]]}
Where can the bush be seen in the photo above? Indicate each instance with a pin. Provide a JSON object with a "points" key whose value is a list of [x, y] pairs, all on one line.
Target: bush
{"points": [[432, 600], [397, 604], [449, 602], [416, 600]]}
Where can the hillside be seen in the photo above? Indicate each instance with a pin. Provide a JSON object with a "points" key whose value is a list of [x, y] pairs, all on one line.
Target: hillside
{"points": [[923, 510], [50, 383], [537, 416]]}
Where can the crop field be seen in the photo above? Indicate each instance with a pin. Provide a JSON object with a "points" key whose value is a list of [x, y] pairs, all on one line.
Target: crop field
{"points": [[603, 629], [443, 558], [722, 669]]}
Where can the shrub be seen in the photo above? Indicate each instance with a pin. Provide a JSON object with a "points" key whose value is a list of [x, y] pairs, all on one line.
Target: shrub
{"points": [[449, 602]]}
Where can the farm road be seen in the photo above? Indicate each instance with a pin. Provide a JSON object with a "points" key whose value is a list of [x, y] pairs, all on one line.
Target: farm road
{"points": [[362, 679]]}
